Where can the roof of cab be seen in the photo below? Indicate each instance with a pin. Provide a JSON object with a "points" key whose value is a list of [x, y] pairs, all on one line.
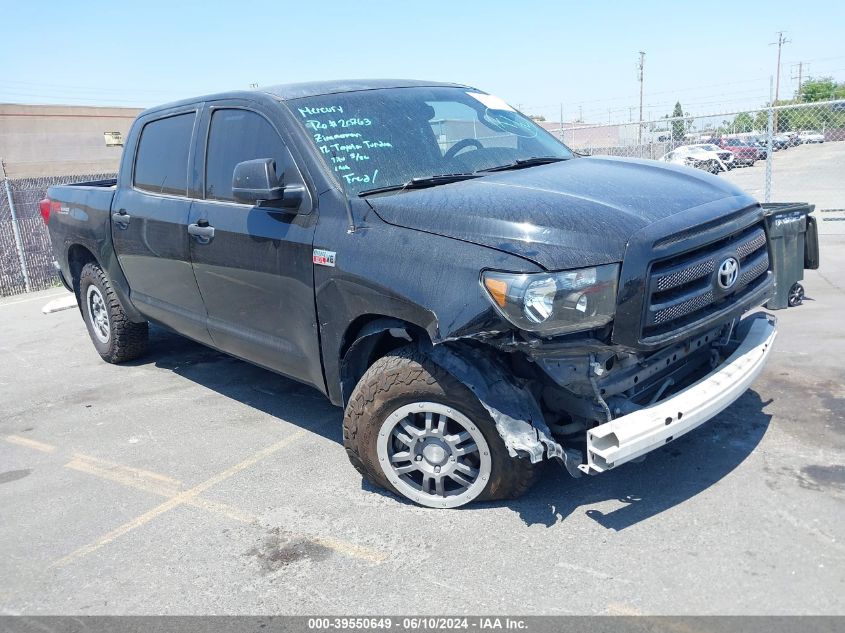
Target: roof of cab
{"points": [[315, 88], [310, 89]]}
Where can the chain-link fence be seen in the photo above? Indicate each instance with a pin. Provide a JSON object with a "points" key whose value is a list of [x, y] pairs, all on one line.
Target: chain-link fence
{"points": [[26, 255], [725, 142]]}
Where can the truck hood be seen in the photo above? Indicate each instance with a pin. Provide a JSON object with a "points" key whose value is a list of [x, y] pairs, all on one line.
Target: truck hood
{"points": [[579, 212]]}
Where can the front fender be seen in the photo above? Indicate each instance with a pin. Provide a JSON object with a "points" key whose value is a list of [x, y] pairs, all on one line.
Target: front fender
{"points": [[428, 281]]}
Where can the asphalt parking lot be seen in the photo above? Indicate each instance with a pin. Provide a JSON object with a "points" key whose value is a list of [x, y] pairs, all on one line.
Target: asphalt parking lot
{"points": [[190, 482], [805, 173]]}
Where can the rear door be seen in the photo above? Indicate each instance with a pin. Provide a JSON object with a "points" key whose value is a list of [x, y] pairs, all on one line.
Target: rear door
{"points": [[255, 273], [150, 224]]}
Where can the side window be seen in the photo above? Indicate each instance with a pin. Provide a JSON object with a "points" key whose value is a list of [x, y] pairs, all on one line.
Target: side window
{"points": [[161, 165], [237, 136]]}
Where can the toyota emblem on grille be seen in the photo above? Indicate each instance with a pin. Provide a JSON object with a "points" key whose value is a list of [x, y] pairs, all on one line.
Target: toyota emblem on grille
{"points": [[728, 273]]}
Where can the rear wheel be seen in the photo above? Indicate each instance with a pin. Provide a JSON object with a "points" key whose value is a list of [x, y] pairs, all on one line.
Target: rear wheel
{"points": [[115, 337], [414, 429]]}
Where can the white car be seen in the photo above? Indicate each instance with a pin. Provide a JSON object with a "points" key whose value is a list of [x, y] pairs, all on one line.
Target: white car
{"points": [[726, 155], [696, 156], [809, 136]]}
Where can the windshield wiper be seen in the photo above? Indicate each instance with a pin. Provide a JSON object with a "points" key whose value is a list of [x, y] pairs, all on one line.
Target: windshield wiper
{"points": [[526, 162], [420, 183]]}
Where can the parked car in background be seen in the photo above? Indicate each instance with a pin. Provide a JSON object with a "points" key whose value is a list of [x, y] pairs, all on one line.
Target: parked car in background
{"points": [[696, 156], [781, 141], [758, 142], [744, 153], [810, 136], [725, 155]]}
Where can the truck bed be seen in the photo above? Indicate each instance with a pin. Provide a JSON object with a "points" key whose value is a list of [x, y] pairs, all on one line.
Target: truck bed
{"points": [[81, 212]]}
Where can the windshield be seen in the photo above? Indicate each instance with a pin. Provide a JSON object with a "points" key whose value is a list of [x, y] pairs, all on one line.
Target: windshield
{"points": [[387, 137]]}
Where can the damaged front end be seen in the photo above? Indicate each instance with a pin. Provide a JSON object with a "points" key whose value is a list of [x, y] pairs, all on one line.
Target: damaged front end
{"points": [[593, 405], [510, 402], [621, 359]]}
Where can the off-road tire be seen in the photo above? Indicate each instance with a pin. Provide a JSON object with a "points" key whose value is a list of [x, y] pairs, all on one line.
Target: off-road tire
{"points": [[127, 340], [407, 376]]}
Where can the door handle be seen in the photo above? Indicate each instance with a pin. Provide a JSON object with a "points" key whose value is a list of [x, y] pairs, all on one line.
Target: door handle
{"points": [[204, 234], [121, 218]]}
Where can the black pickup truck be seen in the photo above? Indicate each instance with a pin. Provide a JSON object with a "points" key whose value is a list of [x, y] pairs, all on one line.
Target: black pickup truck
{"points": [[475, 295]]}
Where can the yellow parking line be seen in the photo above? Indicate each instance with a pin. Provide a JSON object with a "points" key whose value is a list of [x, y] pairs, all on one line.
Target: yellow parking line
{"points": [[168, 487], [151, 482], [162, 485], [177, 500], [126, 475], [223, 509], [25, 441], [350, 549]]}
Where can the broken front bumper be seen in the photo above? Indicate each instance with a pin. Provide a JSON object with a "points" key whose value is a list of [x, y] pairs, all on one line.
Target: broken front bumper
{"points": [[633, 435]]}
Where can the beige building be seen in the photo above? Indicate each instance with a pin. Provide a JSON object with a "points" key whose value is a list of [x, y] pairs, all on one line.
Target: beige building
{"points": [[53, 140]]}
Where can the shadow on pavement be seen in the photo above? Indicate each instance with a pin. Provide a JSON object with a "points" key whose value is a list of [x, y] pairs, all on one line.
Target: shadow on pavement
{"points": [[239, 380], [667, 477]]}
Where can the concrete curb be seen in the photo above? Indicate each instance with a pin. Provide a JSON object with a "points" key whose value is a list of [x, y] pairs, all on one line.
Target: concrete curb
{"points": [[62, 303]]}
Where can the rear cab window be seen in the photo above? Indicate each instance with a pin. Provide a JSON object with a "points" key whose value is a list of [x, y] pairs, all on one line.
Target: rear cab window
{"points": [[161, 162]]}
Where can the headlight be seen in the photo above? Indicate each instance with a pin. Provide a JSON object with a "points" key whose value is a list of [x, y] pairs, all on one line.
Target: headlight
{"points": [[555, 303]]}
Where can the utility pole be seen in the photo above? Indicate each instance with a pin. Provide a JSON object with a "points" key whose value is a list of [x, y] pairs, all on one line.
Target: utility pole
{"points": [[561, 122], [640, 67], [781, 41], [800, 78]]}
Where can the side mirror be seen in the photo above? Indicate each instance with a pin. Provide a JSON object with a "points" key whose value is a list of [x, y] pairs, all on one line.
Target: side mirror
{"points": [[255, 180]]}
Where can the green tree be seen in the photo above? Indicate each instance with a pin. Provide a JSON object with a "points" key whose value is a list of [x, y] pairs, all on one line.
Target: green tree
{"points": [[743, 122], [678, 122], [821, 89]]}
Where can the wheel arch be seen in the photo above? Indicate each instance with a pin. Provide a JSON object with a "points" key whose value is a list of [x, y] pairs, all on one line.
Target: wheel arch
{"points": [[78, 255], [368, 338]]}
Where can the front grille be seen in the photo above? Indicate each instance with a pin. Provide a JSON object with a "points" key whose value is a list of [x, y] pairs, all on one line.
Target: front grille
{"points": [[683, 289]]}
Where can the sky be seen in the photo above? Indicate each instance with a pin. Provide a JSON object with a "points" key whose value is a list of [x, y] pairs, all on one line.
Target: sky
{"points": [[715, 56]]}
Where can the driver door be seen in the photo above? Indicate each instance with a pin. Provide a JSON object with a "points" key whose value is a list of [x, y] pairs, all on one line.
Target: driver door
{"points": [[255, 271]]}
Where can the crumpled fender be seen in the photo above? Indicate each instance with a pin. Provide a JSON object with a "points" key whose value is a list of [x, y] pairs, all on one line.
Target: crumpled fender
{"points": [[514, 409]]}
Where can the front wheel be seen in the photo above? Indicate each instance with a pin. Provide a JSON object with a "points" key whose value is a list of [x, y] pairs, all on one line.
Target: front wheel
{"points": [[115, 337], [414, 429]]}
